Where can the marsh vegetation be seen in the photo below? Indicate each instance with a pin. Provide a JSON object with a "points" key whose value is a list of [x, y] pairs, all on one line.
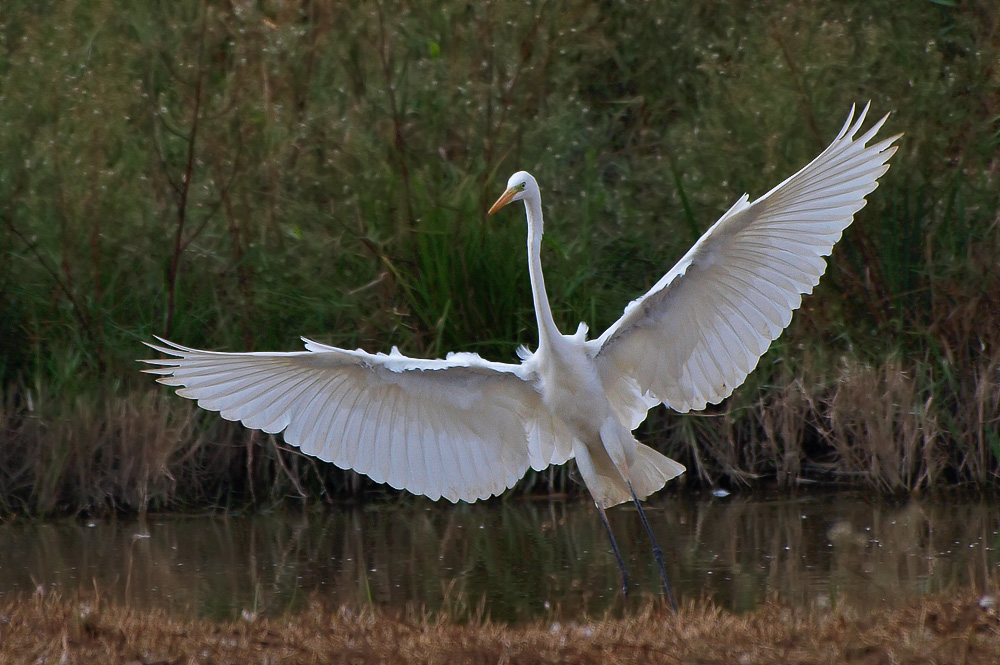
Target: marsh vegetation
{"points": [[236, 175]]}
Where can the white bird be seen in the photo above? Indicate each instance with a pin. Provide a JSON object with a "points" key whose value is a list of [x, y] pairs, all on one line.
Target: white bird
{"points": [[465, 428]]}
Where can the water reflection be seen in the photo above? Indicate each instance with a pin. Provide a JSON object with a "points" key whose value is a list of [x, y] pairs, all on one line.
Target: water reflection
{"points": [[514, 560]]}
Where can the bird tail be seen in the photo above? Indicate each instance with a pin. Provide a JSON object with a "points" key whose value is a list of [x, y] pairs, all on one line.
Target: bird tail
{"points": [[648, 470], [651, 470]]}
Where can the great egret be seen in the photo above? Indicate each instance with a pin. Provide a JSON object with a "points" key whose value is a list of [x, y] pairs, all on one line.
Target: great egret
{"points": [[465, 428]]}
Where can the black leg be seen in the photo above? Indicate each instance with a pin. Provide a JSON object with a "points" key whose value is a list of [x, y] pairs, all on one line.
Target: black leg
{"points": [[614, 546], [657, 552]]}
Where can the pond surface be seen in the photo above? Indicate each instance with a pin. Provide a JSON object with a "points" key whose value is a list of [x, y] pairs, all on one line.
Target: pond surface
{"points": [[514, 560]]}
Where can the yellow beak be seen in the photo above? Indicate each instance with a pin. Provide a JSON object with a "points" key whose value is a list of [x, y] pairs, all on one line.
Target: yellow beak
{"points": [[504, 199]]}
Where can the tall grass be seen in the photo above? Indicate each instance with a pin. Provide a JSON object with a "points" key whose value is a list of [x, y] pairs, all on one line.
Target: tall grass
{"points": [[236, 176]]}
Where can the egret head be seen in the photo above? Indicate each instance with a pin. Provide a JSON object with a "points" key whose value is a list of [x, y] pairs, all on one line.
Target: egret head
{"points": [[521, 185]]}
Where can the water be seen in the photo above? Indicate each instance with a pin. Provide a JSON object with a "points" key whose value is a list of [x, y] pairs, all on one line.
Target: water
{"points": [[514, 560]]}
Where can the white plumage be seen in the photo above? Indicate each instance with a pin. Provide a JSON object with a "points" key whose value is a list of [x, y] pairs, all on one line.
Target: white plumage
{"points": [[465, 428], [461, 428]]}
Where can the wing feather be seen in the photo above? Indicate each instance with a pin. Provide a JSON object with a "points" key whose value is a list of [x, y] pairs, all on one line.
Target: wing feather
{"points": [[462, 428], [316, 415], [399, 451], [413, 457], [343, 431], [323, 406], [702, 328], [421, 454]]}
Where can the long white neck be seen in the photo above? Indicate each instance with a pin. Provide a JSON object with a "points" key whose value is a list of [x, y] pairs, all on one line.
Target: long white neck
{"points": [[547, 330]]}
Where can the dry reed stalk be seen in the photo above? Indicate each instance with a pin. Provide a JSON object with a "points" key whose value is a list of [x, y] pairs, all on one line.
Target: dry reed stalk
{"points": [[783, 421], [944, 630], [878, 426]]}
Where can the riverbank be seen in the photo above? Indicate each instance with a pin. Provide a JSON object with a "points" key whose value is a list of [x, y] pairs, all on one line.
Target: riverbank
{"points": [[942, 630]]}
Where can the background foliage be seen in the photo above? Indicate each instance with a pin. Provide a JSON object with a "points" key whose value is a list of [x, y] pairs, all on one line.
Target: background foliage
{"points": [[233, 175]]}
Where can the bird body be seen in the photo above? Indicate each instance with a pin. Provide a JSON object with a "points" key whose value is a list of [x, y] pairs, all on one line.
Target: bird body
{"points": [[465, 428], [603, 445]]}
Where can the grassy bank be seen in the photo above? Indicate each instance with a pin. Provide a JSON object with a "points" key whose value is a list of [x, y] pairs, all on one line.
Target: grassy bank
{"points": [[237, 176], [939, 630]]}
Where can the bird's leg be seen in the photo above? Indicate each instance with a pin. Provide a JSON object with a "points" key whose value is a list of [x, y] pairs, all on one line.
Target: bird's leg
{"points": [[657, 552], [614, 546]]}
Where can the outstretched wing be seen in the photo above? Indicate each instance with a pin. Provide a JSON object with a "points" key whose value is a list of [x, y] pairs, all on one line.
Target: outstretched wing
{"points": [[462, 428], [694, 337]]}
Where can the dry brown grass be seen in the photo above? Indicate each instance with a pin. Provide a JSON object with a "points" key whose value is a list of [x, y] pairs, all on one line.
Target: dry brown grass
{"points": [[895, 425], [943, 630]]}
